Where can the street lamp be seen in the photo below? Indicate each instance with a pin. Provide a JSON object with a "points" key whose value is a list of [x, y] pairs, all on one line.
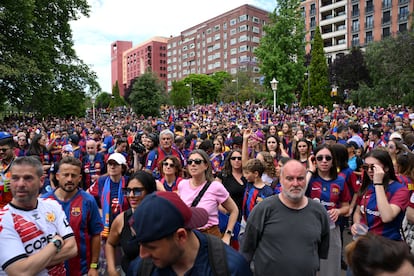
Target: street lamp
{"points": [[191, 92], [308, 75], [274, 83], [237, 88], [93, 108]]}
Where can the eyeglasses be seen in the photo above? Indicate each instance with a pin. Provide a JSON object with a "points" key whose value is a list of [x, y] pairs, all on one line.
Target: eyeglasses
{"points": [[236, 158], [366, 167], [4, 149], [321, 157], [195, 161], [166, 164], [136, 191]]}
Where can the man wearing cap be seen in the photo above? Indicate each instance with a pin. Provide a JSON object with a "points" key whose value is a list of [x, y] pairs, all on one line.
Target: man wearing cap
{"points": [[83, 214], [73, 140], [330, 139], [6, 159], [287, 234], [108, 189], [164, 227]]}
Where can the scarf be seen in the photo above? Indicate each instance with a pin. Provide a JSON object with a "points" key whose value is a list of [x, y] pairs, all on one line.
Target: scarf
{"points": [[107, 204]]}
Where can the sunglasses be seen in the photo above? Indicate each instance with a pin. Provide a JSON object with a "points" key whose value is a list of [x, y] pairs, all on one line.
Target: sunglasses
{"points": [[166, 164], [4, 149], [366, 167], [236, 158], [136, 191], [321, 157], [195, 161]]}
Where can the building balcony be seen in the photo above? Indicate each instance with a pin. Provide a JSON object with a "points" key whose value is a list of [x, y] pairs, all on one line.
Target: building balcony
{"points": [[401, 2], [386, 21], [332, 19], [335, 48], [355, 29], [369, 26], [334, 34], [369, 9], [403, 17], [355, 13], [332, 6]]}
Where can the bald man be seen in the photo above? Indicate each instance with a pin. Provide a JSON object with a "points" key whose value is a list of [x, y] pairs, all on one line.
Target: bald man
{"points": [[93, 164], [287, 233]]}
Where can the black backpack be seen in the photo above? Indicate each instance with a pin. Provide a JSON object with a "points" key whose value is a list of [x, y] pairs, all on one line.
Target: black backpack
{"points": [[216, 255]]}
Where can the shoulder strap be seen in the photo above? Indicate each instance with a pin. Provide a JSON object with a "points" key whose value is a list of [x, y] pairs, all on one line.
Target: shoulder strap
{"points": [[146, 267], [200, 194], [217, 256]]}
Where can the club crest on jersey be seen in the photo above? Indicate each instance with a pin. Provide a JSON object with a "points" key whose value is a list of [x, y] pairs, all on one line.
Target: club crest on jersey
{"points": [[335, 191], [76, 211], [50, 217]]}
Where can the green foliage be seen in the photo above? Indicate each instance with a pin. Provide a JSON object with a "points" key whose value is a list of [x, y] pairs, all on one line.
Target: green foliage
{"points": [[116, 99], [205, 88], [180, 94], [103, 100], [282, 50], [146, 95], [319, 83], [37, 62]]}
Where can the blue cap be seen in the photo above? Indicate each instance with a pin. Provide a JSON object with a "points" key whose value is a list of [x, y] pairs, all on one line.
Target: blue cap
{"points": [[5, 135]]}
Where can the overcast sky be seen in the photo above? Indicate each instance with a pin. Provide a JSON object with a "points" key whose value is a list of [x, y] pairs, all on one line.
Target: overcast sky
{"points": [[138, 21]]}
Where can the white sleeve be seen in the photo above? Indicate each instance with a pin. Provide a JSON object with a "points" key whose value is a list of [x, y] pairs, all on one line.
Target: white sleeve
{"points": [[61, 223]]}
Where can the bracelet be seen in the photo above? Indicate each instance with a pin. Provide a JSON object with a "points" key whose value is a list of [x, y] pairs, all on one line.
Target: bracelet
{"points": [[378, 184]]}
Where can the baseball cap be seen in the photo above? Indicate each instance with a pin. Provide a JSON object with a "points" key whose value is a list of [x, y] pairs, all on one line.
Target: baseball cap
{"points": [[330, 137], [395, 135], [68, 148], [118, 158], [161, 213], [5, 135], [74, 139]]}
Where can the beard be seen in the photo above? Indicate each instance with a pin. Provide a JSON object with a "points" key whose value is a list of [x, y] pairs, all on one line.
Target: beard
{"points": [[294, 196], [91, 157]]}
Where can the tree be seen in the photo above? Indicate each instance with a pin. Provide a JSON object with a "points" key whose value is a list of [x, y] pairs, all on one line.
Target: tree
{"points": [[350, 70], [180, 94], [103, 100], [205, 88], [282, 49], [117, 100], [319, 83], [146, 94], [38, 64]]}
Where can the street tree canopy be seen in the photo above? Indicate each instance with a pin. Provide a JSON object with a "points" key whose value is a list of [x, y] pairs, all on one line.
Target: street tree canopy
{"points": [[38, 65]]}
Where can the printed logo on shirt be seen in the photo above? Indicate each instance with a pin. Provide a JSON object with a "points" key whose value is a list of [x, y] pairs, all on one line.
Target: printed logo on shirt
{"points": [[76, 211], [335, 191], [50, 217]]}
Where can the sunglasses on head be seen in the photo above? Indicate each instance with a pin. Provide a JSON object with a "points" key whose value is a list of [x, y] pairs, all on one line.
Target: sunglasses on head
{"points": [[366, 167], [236, 158], [321, 157], [136, 191], [166, 164], [195, 161]]}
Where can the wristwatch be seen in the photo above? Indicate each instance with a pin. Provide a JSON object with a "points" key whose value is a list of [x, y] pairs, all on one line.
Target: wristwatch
{"points": [[94, 265], [228, 231], [58, 244]]}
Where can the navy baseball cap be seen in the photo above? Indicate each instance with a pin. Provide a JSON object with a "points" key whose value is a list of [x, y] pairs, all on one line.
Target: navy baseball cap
{"points": [[161, 213]]}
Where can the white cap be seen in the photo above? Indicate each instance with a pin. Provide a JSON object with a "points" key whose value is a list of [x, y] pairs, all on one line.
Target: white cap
{"points": [[395, 135], [118, 158], [365, 126]]}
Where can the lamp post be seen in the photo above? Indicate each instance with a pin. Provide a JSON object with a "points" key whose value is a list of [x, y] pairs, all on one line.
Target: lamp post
{"points": [[274, 83], [191, 92], [308, 75], [237, 88], [93, 108]]}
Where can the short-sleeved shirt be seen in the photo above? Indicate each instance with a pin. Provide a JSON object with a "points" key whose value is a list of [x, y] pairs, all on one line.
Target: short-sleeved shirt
{"points": [[398, 195], [24, 233], [212, 198]]}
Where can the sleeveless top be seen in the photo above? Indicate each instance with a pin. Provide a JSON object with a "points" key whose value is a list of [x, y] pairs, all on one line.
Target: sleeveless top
{"points": [[130, 248]]}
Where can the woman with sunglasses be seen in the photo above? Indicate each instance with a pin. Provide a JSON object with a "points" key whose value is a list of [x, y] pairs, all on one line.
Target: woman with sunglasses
{"points": [[171, 174], [122, 233], [327, 187], [200, 169], [382, 200]]}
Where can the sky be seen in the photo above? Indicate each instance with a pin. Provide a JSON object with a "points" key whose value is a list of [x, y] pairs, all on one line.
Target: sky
{"points": [[133, 20]]}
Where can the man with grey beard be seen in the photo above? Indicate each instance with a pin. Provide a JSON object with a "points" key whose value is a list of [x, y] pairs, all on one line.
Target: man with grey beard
{"points": [[287, 234], [93, 164]]}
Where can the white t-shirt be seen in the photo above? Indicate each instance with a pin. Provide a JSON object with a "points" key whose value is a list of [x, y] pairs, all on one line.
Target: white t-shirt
{"points": [[23, 233]]}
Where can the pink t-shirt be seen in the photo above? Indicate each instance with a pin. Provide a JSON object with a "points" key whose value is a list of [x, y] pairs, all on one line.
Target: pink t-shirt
{"points": [[212, 198]]}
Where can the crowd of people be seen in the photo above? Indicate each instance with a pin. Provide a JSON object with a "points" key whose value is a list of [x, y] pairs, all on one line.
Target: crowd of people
{"points": [[134, 189]]}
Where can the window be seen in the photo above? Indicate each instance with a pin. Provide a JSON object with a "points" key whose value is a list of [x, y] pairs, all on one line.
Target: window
{"points": [[233, 22], [243, 28], [233, 41], [313, 22], [386, 4], [243, 48], [256, 30], [355, 10], [256, 39], [369, 22], [355, 25], [386, 32], [355, 40], [233, 31], [243, 38], [233, 51], [224, 26], [386, 17], [216, 36], [402, 27], [368, 37], [369, 6], [242, 18], [313, 9], [255, 19], [216, 28], [208, 31], [403, 13]]}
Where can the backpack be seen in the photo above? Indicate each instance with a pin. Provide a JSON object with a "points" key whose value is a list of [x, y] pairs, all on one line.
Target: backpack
{"points": [[216, 255]]}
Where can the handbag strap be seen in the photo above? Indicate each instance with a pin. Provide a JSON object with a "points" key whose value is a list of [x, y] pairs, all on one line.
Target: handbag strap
{"points": [[200, 194]]}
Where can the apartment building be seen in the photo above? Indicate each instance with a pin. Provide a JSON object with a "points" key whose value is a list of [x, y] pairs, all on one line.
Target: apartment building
{"points": [[223, 43], [354, 23], [130, 62]]}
